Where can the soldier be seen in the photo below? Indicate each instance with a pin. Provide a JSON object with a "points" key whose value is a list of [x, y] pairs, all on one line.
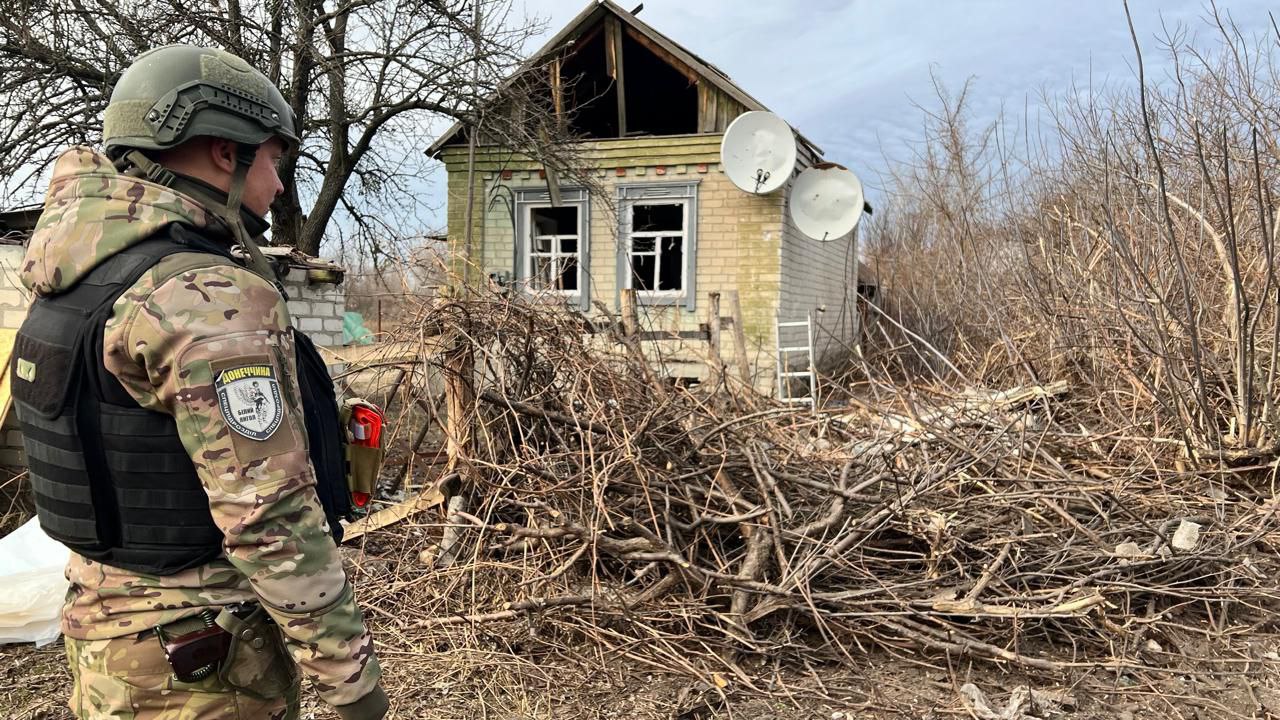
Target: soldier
{"points": [[205, 571]]}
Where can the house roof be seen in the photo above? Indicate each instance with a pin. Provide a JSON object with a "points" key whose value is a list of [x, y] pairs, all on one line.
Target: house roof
{"points": [[16, 225], [587, 20]]}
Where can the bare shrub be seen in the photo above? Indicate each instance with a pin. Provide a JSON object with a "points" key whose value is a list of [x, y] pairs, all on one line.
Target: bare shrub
{"points": [[1130, 250]]}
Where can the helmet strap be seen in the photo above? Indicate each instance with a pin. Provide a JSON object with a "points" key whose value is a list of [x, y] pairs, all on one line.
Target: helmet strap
{"points": [[257, 262], [135, 162]]}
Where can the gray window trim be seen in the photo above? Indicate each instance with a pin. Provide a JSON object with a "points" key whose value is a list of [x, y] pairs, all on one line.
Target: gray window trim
{"points": [[628, 195], [578, 197]]}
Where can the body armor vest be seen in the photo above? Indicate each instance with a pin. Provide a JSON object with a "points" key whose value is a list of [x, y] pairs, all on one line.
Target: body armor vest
{"points": [[111, 479]]}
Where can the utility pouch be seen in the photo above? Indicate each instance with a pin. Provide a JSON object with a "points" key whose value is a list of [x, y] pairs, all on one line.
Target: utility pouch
{"points": [[256, 662], [195, 647], [363, 422]]}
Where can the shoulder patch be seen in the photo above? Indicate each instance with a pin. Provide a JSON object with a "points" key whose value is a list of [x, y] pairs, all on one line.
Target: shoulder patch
{"points": [[249, 397]]}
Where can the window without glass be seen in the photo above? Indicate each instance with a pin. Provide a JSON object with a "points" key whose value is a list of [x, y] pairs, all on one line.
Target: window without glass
{"points": [[658, 244], [554, 248]]}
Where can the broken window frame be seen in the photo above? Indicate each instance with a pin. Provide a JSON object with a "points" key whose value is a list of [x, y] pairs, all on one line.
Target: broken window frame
{"points": [[685, 192], [531, 276], [658, 236], [522, 246]]}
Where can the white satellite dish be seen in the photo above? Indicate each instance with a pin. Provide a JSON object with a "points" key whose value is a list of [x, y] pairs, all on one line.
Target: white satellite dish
{"points": [[758, 152], [826, 201]]}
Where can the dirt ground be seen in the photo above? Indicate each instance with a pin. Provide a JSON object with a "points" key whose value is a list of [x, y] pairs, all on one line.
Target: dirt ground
{"points": [[466, 684]]}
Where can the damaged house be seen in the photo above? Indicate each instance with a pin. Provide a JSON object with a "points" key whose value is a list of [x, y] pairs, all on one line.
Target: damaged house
{"points": [[656, 212]]}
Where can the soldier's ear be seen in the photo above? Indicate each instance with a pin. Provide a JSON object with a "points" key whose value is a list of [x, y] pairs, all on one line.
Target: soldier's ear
{"points": [[223, 154]]}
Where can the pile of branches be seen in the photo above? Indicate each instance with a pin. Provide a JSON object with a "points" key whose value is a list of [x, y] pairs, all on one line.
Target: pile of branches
{"points": [[1058, 452], [602, 512]]}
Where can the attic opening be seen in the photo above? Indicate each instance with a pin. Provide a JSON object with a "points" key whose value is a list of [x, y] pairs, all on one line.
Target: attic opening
{"points": [[661, 100], [615, 82], [590, 93]]}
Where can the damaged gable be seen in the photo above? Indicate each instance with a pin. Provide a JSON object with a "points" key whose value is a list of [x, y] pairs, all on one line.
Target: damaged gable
{"points": [[608, 75]]}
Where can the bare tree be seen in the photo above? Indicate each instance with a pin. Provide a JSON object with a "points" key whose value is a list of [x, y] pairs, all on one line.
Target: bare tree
{"points": [[371, 82]]}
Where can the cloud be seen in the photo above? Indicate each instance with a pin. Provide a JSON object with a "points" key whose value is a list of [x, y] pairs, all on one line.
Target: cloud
{"points": [[848, 73]]}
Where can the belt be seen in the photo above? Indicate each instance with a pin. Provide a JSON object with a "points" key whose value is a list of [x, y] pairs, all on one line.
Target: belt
{"points": [[189, 625], [206, 618]]}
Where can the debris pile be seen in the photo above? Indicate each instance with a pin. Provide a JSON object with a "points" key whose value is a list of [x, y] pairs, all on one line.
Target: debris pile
{"points": [[597, 512]]}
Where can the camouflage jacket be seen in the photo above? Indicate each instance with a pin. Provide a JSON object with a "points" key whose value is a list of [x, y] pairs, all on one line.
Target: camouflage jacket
{"points": [[167, 337]]}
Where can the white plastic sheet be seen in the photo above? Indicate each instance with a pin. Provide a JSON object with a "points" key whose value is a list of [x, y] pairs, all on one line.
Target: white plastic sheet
{"points": [[32, 585]]}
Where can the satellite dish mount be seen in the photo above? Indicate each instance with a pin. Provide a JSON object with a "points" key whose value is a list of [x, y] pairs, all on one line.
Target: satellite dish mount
{"points": [[758, 152], [762, 177]]}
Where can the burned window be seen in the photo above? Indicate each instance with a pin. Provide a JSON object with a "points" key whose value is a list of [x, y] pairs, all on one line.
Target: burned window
{"points": [[658, 245], [554, 249]]}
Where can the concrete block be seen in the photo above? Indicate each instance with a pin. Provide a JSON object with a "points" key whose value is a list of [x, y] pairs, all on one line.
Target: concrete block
{"points": [[11, 259], [13, 318], [323, 309], [332, 324], [299, 308], [13, 298], [309, 324]]}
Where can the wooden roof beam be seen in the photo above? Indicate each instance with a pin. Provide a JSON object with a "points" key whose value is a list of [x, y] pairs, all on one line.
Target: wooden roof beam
{"points": [[690, 74]]}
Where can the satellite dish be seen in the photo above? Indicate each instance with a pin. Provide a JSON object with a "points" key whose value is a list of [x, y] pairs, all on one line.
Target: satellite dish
{"points": [[826, 201], [758, 152]]}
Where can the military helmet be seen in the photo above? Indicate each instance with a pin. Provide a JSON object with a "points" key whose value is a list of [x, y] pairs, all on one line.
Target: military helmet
{"points": [[176, 92]]}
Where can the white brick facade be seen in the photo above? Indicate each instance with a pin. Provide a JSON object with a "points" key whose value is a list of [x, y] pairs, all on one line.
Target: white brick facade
{"points": [[743, 242]]}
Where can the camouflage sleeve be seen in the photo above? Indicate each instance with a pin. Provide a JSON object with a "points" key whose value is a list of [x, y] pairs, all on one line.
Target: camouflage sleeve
{"points": [[212, 347]]}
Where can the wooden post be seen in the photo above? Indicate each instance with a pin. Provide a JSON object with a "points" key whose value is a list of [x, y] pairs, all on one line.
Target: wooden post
{"points": [[379, 318], [459, 396], [739, 338], [557, 90], [630, 314], [713, 337], [395, 388], [613, 59], [473, 130], [631, 340]]}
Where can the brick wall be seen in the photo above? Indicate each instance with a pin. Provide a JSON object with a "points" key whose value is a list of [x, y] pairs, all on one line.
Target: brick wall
{"points": [[316, 308], [13, 309], [739, 236]]}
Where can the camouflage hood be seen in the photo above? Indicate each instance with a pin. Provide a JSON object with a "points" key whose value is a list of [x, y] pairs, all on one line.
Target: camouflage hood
{"points": [[92, 212]]}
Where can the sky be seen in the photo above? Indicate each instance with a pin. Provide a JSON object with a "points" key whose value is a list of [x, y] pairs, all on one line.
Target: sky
{"points": [[849, 73]]}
